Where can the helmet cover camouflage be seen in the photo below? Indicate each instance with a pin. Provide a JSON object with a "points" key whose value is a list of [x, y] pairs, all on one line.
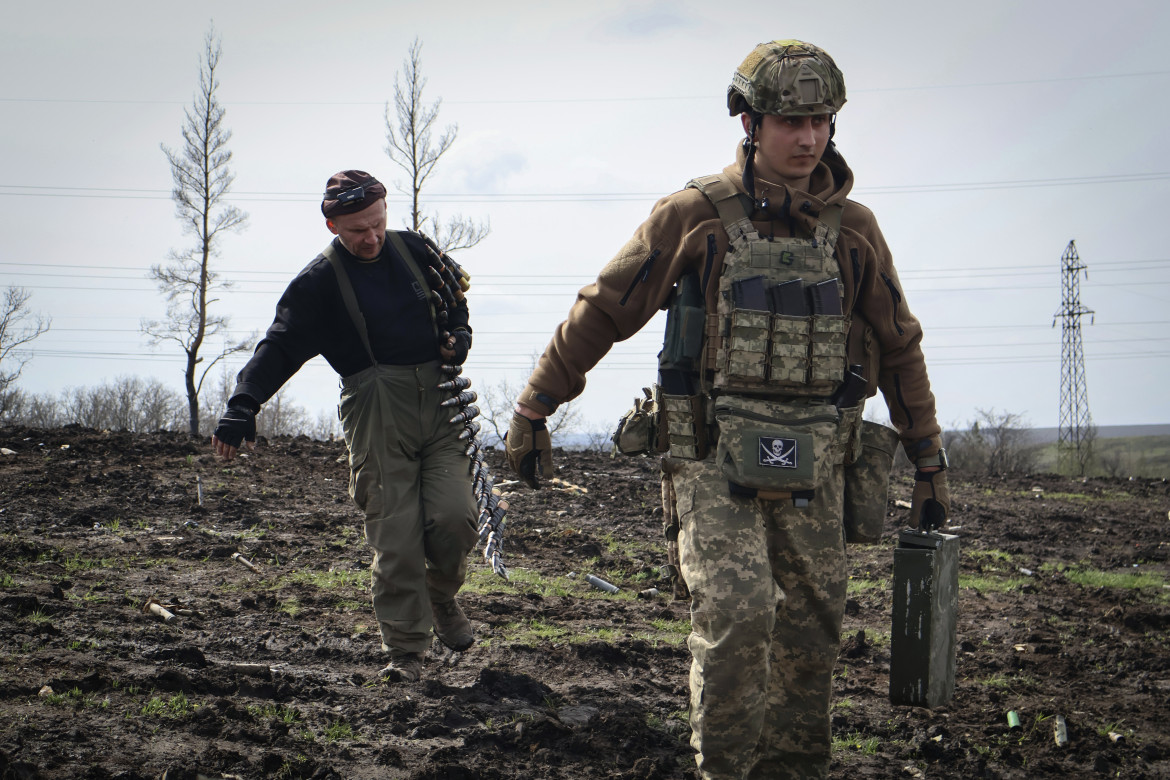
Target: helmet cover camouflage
{"points": [[791, 78]]}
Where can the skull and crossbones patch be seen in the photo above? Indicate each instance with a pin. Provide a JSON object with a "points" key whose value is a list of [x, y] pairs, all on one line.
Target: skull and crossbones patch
{"points": [[777, 452]]}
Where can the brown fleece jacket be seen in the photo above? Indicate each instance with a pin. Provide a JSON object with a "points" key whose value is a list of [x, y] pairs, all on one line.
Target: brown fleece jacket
{"points": [[683, 233]]}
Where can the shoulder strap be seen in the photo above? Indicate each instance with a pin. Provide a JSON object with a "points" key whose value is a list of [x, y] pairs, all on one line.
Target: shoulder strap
{"points": [[350, 299], [733, 209], [407, 256], [729, 202]]}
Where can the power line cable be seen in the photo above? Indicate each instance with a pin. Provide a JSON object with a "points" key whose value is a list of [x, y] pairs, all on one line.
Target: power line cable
{"points": [[607, 99]]}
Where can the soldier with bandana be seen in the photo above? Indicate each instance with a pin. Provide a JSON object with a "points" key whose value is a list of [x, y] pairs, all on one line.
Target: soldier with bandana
{"points": [[800, 317]]}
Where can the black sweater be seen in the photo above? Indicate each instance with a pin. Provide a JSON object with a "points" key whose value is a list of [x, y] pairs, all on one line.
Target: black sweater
{"points": [[311, 319]]}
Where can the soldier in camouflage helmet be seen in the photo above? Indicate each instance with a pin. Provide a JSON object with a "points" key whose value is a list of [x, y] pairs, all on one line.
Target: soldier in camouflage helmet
{"points": [[801, 319]]}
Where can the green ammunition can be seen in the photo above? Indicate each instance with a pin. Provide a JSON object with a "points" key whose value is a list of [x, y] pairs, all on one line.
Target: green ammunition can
{"points": [[922, 640]]}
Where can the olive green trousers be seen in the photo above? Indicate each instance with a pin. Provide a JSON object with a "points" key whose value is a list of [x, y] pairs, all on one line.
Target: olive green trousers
{"points": [[409, 474]]}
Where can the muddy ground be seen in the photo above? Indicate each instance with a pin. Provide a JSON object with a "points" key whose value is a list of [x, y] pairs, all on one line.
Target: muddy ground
{"points": [[1064, 610]]}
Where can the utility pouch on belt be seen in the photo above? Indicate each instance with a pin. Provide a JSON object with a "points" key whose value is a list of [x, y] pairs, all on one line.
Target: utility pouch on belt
{"points": [[867, 483], [682, 422], [636, 432], [777, 446]]}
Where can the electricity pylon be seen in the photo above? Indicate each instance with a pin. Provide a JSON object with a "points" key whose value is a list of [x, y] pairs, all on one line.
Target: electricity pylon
{"points": [[1074, 447]]}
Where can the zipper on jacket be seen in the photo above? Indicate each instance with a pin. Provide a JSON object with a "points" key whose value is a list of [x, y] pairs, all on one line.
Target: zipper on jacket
{"points": [[902, 401], [856, 262], [897, 296], [642, 275]]}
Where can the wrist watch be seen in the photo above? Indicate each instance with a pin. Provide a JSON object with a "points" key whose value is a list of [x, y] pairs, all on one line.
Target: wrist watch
{"points": [[938, 459]]}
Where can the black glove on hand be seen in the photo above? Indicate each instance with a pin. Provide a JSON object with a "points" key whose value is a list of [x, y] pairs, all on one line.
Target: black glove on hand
{"points": [[461, 346], [528, 448], [237, 425], [930, 504]]}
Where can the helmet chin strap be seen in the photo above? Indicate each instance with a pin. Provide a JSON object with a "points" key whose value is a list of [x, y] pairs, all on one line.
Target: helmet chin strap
{"points": [[749, 148]]}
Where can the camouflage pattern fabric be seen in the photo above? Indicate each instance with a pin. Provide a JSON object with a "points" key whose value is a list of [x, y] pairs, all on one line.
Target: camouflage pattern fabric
{"points": [[670, 529], [420, 512], [790, 77], [867, 483], [767, 582]]}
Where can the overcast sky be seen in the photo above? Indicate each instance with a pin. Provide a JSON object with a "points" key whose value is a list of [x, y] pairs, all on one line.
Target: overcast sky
{"points": [[985, 136]]}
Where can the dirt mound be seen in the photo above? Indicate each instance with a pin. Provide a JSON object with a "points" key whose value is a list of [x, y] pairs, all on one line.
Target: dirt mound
{"points": [[267, 664]]}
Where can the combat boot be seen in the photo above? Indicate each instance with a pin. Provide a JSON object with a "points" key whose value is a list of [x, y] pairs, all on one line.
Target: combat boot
{"points": [[403, 668], [452, 626]]}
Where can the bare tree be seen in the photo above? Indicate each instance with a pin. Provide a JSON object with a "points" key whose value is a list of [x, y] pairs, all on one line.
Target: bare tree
{"points": [[995, 443], [128, 403], [281, 417], [18, 327], [413, 147], [496, 403], [201, 180]]}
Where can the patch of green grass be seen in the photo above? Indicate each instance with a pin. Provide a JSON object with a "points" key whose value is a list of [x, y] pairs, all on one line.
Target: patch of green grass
{"points": [[75, 698], [89, 597], [38, 617], [482, 579], [290, 607], [679, 628], [856, 741], [177, 706], [1003, 682], [992, 584], [7, 581], [76, 563], [858, 585], [996, 556], [292, 768], [270, 712], [1098, 578], [338, 730], [533, 631], [329, 580], [129, 690], [1104, 495]]}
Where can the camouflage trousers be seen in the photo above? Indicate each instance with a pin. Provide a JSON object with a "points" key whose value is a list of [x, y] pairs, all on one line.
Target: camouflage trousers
{"points": [[767, 583], [409, 475]]}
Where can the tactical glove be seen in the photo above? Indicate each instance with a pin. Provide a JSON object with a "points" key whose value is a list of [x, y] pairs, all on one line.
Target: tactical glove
{"points": [[930, 504], [237, 425], [528, 448], [461, 346]]}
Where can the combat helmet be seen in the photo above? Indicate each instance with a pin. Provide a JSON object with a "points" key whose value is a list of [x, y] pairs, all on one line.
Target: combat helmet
{"points": [[789, 77]]}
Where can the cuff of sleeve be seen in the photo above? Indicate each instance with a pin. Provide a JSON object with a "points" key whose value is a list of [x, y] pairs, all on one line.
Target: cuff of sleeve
{"points": [[248, 395], [541, 402], [921, 448]]}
